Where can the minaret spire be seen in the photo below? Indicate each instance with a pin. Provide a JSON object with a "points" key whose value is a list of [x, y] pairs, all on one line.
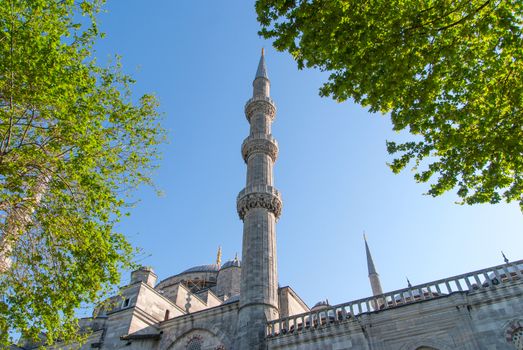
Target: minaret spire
{"points": [[370, 263], [259, 206], [261, 72], [374, 278]]}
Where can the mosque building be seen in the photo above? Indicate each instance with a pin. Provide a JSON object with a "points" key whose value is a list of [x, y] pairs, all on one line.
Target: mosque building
{"points": [[238, 304]]}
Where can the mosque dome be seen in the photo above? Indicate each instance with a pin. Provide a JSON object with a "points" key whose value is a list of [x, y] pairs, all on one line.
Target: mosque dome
{"points": [[196, 278], [202, 268]]}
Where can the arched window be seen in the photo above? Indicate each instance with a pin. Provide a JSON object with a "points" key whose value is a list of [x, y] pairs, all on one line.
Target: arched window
{"points": [[195, 344], [517, 339]]}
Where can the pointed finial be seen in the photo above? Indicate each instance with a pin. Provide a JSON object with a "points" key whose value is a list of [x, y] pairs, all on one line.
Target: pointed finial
{"points": [[408, 283], [364, 236], [505, 258], [236, 256], [263, 51], [219, 256]]}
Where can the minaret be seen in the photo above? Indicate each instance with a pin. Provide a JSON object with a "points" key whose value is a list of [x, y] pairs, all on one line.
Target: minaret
{"points": [[259, 206], [374, 278]]}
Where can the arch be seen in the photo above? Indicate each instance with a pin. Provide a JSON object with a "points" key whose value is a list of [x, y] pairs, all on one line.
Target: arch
{"points": [[426, 344], [196, 338]]}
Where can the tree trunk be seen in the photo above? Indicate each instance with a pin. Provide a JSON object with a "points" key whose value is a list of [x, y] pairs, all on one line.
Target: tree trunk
{"points": [[18, 218]]}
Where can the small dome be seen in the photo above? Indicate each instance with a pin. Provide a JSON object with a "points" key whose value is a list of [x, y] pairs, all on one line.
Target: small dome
{"points": [[203, 268], [320, 305], [231, 263]]}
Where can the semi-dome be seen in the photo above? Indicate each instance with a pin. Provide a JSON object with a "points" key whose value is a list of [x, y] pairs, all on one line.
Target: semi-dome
{"points": [[231, 263], [203, 268]]}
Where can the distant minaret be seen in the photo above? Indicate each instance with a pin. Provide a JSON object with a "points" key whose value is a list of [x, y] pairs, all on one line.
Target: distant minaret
{"points": [[373, 275], [259, 206]]}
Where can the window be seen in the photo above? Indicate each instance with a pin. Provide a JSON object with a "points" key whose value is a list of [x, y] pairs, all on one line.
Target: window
{"points": [[166, 315], [517, 339], [126, 302], [195, 344]]}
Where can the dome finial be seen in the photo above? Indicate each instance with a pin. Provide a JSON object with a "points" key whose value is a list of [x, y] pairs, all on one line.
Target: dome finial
{"points": [[219, 256]]}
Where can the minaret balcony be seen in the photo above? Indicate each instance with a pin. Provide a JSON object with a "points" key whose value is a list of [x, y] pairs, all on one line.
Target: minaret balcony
{"points": [[260, 104], [260, 143], [259, 196]]}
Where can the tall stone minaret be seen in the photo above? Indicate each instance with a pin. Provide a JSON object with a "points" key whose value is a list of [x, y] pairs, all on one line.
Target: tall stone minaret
{"points": [[374, 278], [259, 206]]}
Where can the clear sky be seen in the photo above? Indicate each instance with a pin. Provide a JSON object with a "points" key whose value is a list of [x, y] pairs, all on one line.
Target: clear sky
{"points": [[199, 58]]}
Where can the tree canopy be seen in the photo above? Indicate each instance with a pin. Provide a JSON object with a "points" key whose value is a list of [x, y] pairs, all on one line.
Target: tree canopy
{"points": [[74, 144], [449, 72]]}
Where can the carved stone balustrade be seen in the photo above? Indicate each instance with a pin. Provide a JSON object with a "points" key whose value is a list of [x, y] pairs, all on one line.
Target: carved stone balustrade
{"points": [[488, 278], [260, 104], [259, 196], [260, 143]]}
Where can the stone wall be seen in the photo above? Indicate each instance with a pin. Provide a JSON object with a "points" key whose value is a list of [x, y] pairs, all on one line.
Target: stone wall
{"points": [[229, 281], [216, 326], [472, 320], [290, 303]]}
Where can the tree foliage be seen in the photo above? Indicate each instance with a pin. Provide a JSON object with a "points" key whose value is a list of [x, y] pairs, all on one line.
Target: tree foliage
{"points": [[449, 72], [73, 145]]}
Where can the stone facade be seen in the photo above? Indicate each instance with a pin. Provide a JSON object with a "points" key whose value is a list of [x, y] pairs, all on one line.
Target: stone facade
{"points": [[239, 306], [465, 321], [477, 310]]}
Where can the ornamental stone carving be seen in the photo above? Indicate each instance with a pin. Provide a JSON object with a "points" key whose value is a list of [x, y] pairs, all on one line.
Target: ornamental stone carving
{"points": [[514, 333], [259, 145], [260, 105], [266, 200]]}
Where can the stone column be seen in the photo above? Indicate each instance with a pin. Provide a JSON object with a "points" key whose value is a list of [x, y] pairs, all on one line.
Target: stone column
{"points": [[259, 206]]}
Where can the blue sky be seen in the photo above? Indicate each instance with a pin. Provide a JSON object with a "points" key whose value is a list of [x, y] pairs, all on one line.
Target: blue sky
{"points": [[199, 58]]}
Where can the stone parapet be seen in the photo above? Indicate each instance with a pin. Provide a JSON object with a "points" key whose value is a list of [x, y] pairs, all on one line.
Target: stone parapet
{"points": [[260, 104], [492, 278], [260, 143], [259, 196]]}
